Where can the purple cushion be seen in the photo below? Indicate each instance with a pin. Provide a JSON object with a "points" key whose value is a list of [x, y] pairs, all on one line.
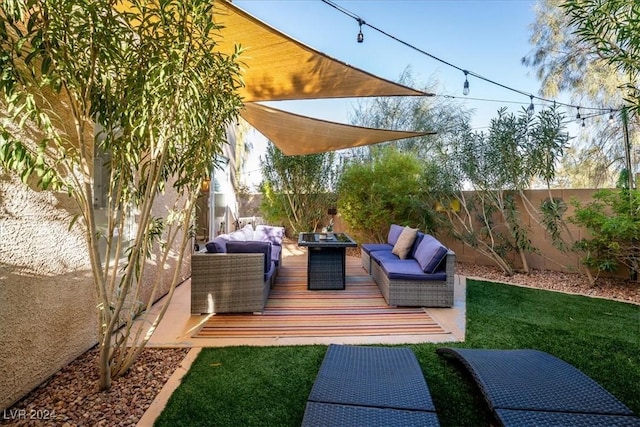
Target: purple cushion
{"points": [[269, 233], [251, 248], [394, 232], [408, 269], [276, 251], [212, 248], [220, 243], [430, 253], [384, 256], [416, 244], [368, 247], [272, 269]]}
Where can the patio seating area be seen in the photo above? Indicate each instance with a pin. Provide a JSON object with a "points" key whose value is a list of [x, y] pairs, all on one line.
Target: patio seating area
{"points": [[294, 315]]}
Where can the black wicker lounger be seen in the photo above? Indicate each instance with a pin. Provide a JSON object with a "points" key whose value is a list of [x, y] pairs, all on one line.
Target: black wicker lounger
{"points": [[534, 388], [369, 386]]}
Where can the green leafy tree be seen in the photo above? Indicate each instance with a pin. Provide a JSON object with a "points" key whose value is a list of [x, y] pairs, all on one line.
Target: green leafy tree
{"points": [[297, 189], [151, 77], [440, 115], [614, 228], [612, 28], [566, 62], [386, 190], [498, 166]]}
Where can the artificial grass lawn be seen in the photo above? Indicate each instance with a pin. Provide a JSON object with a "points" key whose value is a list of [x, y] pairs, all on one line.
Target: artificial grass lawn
{"points": [[268, 386]]}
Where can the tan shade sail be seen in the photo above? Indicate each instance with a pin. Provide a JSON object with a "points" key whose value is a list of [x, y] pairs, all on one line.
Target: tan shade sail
{"points": [[295, 135], [278, 67]]}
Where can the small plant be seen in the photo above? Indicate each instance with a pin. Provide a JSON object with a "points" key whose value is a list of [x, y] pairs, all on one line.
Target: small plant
{"points": [[613, 221]]}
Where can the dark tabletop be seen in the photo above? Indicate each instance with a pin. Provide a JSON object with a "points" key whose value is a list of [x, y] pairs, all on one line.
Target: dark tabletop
{"points": [[326, 240]]}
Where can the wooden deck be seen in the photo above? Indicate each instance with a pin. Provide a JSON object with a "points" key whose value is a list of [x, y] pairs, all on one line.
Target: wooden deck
{"points": [[294, 313], [296, 316]]}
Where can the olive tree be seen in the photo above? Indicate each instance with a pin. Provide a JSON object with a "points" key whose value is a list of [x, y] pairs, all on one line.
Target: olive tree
{"points": [[151, 77], [566, 59], [297, 189], [498, 166]]}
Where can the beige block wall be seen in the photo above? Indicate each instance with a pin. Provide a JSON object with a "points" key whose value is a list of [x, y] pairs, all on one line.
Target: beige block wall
{"points": [[47, 302], [548, 258]]}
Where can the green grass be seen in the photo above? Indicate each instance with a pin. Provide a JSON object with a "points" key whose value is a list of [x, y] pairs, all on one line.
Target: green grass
{"points": [[268, 386]]}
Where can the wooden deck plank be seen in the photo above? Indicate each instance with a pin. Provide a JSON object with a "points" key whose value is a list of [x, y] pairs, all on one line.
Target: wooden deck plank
{"points": [[294, 311]]}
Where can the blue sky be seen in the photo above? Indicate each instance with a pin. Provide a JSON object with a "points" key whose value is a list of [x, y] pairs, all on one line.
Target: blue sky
{"points": [[487, 37]]}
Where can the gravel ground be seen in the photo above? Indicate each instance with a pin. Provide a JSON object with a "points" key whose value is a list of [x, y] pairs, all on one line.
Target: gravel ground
{"points": [[618, 289], [70, 397]]}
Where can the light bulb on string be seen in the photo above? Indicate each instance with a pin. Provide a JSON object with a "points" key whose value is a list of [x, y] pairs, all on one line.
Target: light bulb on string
{"points": [[360, 35], [465, 88], [531, 108], [610, 117], [582, 122], [360, 39]]}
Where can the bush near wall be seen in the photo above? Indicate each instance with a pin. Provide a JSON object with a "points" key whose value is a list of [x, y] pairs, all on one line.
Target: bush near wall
{"points": [[548, 258]]}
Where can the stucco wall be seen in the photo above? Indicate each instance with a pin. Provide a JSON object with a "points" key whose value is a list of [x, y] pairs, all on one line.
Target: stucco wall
{"points": [[163, 203], [47, 298], [47, 303]]}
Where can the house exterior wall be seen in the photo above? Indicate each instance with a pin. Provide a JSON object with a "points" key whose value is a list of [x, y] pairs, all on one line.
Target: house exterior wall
{"points": [[166, 271], [48, 313], [47, 300]]}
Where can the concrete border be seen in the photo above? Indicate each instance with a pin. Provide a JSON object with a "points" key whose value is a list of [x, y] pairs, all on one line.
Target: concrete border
{"points": [[159, 403]]}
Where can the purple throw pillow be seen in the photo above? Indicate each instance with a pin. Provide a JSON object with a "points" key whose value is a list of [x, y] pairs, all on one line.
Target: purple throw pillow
{"points": [[212, 248], [394, 233], [429, 254], [250, 248]]}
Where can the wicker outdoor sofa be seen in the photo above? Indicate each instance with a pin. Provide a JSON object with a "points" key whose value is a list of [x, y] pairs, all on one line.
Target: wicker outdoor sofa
{"points": [[236, 272], [423, 274]]}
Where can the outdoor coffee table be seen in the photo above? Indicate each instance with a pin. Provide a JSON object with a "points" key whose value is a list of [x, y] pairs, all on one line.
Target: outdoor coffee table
{"points": [[326, 254]]}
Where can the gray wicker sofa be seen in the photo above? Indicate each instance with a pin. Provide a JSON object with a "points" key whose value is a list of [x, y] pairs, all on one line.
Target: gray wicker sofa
{"points": [[236, 271], [424, 278]]}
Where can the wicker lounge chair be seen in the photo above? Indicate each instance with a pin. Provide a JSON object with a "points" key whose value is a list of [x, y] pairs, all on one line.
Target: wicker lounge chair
{"points": [[369, 386], [228, 283], [531, 387]]}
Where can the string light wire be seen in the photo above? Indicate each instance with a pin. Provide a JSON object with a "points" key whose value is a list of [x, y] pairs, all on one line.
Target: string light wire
{"points": [[465, 71]]}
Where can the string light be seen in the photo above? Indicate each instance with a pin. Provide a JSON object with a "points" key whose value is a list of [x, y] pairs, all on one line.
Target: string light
{"points": [[582, 122], [611, 116], [465, 88], [531, 108], [360, 35], [361, 22]]}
